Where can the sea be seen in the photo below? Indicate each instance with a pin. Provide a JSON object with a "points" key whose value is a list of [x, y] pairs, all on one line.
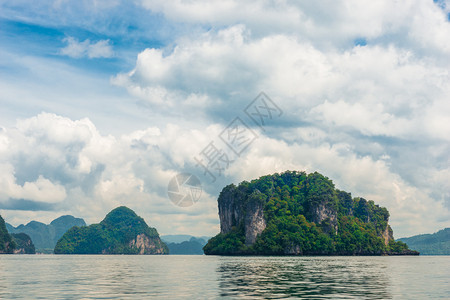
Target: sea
{"points": [[214, 277]]}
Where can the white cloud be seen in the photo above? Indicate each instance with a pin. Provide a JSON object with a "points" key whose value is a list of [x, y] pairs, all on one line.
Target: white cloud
{"points": [[375, 89], [330, 23], [373, 118], [55, 160], [371, 110], [363, 176], [40, 190], [86, 48]]}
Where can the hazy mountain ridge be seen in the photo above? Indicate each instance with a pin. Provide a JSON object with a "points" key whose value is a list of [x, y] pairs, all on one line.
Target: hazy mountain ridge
{"points": [[437, 243], [45, 236], [179, 238], [188, 245]]}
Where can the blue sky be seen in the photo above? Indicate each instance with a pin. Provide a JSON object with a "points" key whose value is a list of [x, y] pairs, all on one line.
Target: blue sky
{"points": [[103, 102]]}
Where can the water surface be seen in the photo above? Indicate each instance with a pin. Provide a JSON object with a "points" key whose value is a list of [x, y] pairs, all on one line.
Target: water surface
{"points": [[209, 277]]}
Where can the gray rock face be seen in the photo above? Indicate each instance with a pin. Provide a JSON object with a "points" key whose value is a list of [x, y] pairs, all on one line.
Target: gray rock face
{"points": [[388, 235], [147, 245], [322, 212], [237, 209], [255, 222], [229, 209]]}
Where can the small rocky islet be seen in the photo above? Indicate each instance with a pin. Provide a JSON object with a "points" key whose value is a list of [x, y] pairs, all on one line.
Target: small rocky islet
{"points": [[122, 231]]}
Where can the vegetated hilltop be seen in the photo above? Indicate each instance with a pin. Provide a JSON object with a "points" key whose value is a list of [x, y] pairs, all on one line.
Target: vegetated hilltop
{"points": [[294, 213], [120, 232]]}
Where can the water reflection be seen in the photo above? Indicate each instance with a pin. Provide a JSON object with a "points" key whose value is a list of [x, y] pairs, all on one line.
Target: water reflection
{"points": [[213, 277], [309, 277]]}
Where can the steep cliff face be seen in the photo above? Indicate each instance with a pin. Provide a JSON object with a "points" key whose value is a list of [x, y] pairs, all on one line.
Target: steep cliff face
{"points": [[255, 221], [293, 213], [230, 209], [236, 209], [324, 213], [146, 245], [387, 235]]}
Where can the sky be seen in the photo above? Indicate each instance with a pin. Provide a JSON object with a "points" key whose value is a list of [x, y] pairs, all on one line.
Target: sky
{"points": [[103, 102]]}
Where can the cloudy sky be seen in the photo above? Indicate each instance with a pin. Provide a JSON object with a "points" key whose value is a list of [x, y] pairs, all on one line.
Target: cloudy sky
{"points": [[103, 102]]}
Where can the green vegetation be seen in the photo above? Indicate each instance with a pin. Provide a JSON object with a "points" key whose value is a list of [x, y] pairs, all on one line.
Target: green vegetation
{"points": [[121, 232], [430, 244], [305, 215], [7, 245], [24, 243]]}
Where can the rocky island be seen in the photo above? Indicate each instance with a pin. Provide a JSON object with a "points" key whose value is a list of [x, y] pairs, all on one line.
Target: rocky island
{"points": [[120, 232], [294, 213]]}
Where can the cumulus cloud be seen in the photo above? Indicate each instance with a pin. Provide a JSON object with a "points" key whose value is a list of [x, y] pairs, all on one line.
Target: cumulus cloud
{"points": [[372, 116], [55, 160], [422, 23], [67, 163], [363, 176], [40, 190], [366, 115], [86, 48], [377, 90]]}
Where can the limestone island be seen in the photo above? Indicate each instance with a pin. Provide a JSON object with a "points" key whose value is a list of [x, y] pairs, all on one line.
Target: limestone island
{"points": [[120, 232], [294, 213]]}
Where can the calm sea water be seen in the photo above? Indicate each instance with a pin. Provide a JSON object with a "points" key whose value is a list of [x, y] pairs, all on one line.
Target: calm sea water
{"points": [[210, 277]]}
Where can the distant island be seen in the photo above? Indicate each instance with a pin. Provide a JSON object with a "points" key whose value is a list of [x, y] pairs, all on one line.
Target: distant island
{"points": [[294, 213], [120, 232], [185, 244], [45, 236], [437, 243]]}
